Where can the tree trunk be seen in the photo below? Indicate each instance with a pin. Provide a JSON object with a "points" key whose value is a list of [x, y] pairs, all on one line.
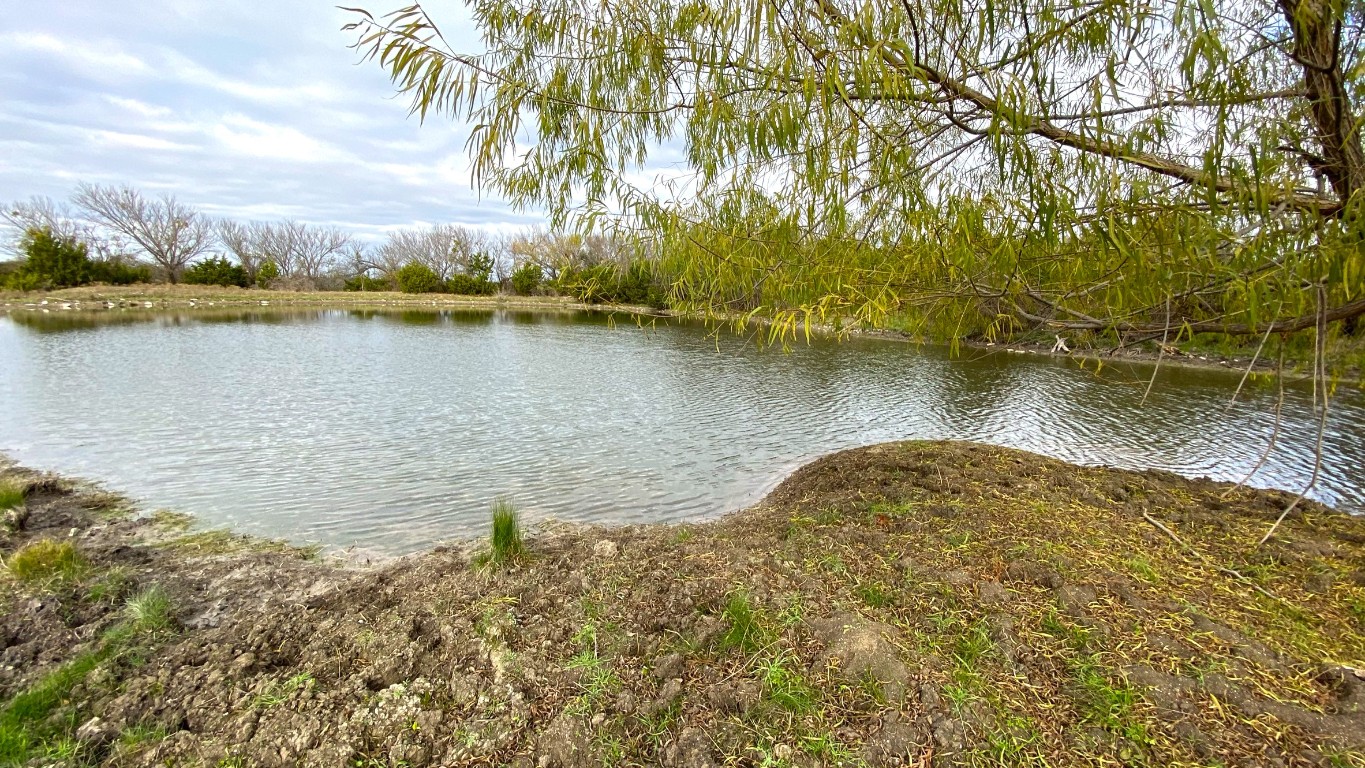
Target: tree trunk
{"points": [[1316, 25]]}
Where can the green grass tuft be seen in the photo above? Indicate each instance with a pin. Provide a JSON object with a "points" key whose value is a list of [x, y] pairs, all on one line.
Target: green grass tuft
{"points": [[746, 631], [12, 494], [150, 611], [508, 545], [46, 562]]}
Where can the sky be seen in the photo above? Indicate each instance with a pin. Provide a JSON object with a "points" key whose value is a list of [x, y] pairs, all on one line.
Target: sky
{"points": [[246, 109]]}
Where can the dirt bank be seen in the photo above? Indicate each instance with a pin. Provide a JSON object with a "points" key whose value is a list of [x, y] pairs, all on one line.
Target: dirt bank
{"points": [[904, 604]]}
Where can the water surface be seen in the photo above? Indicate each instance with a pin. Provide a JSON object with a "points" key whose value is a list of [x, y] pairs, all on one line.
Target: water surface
{"points": [[395, 430]]}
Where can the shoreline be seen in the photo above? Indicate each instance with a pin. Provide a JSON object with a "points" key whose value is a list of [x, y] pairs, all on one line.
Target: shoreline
{"points": [[899, 604], [155, 298]]}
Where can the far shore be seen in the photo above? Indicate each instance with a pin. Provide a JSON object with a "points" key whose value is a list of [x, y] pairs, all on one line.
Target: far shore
{"points": [[158, 297]]}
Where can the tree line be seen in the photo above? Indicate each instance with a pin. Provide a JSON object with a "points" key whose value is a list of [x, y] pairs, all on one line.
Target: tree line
{"points": [[120, 235]]}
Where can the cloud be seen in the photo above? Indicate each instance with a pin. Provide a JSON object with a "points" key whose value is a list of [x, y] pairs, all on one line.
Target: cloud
{"points": [[249, 110]]}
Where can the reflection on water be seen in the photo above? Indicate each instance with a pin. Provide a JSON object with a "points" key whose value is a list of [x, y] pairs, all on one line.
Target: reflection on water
{"points": [[395, 429]]}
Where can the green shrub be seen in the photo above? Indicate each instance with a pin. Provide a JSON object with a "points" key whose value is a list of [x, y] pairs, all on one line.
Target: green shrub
{"points": [[118, 273], [51, 262], [216, 270], [366, 283], [470, 285], [508, 545], [418, 278], [267, 273], [526, 279], [47, 561]]}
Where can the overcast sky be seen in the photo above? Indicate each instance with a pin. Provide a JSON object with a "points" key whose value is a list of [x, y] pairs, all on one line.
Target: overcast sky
{"points": [[246, 109]]}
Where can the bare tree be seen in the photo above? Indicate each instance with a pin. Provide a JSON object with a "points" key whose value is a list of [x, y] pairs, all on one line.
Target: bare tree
{"points": [[445, 248], [39, 213], [314, 248], [249, 243], [169, 232]]}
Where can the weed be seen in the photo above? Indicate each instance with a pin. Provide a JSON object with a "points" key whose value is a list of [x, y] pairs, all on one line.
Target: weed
{"points": [[1017, 742], [1142, 568], [1107, 704], [683, 535], [171, 521], [959, 695], [598, 682], [792, 612], [746, 631], [277, 693], [48, 562], [875, 595], [110, 586], [24, 725], [1075, 637], [972, 645], [825, 746], [958, 540], [12, 494], [137, 736], [785, 686], [149, 611], [507, 542]]}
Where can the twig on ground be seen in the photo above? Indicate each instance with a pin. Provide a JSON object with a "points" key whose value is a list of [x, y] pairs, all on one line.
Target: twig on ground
{"points": [[1202, 558]]}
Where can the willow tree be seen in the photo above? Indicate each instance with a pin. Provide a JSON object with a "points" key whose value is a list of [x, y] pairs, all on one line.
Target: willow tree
{"points": [[1129, 166]]}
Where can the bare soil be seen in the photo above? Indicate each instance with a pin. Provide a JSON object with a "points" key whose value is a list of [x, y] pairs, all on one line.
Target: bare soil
{"points": [[902, 604]]}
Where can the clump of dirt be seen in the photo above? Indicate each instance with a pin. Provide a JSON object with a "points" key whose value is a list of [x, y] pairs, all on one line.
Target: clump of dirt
{"points": [[903, 604]]}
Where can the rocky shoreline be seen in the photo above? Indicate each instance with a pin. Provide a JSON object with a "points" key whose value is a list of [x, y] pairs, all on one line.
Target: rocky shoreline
{"points": [[902, 604]]}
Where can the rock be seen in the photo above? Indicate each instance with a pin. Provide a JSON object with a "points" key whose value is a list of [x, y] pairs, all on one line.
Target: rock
{"points": [[860, 649], [691, 750], [565, 744], [95, 733], [1320, 583], [1349, 685], [949, 735], [667, 667], [991, 592], [895, 743], [1034, 573], [606, 548]]}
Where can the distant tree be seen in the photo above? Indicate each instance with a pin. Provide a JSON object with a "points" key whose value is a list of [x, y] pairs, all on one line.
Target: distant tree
{"points": [[169, 232], [249, 243], [313, 249]]}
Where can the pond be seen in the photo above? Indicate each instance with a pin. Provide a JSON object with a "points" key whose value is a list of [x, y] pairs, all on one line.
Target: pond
{"points": [[391, 431]]}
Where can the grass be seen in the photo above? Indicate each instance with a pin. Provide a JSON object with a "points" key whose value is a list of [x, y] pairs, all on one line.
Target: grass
{"points": [[24, 726], [278, 693], [508, 544], [746, 631], [29, 725], [785, 686], [12, 494], [150, 611], [47, 563]]}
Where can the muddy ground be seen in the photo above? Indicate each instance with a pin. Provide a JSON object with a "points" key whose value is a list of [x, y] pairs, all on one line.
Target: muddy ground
{"points": [[904, 604]]}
